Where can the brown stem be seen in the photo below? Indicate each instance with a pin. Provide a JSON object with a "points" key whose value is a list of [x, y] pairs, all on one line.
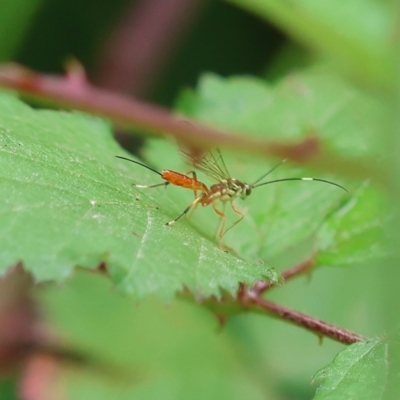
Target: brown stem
{"points": [[249, 301], [310, 323], [262, 286], [134, 114], [251, 298], [304, 266]]}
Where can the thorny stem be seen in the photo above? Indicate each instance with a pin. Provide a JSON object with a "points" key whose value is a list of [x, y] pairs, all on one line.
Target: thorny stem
{"points": [[247, 300], [126, 112], [310, 323], [250, 299]]}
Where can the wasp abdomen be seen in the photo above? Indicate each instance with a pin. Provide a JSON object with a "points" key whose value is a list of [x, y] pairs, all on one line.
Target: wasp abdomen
{"points": [[183, 180]]}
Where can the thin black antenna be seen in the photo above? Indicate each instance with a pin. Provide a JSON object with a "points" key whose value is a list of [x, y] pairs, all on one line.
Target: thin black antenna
{"points": [[267, 173], [139, 163], [301, 179]]}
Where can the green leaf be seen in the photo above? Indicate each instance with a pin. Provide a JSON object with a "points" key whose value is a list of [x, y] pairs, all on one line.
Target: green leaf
{"points": [[355, 35], [67, 201], [366, 370]]}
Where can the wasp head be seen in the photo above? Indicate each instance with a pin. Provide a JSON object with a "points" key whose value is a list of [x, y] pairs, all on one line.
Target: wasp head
{"points": [[239, 189]]}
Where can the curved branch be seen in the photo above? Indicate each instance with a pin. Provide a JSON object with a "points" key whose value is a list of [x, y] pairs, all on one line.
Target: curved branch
{"points": [[312, 324]]}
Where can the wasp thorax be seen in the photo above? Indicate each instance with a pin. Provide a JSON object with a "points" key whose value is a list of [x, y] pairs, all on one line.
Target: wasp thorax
{"points": [[239, 188]]}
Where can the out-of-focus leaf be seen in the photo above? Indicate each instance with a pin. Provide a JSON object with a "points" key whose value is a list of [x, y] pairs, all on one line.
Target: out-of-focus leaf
{"points": [[356, 233], [366, 370], [355, 35]]}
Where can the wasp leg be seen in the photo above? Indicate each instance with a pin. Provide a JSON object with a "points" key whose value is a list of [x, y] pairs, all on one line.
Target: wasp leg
{"points": [[194, 177], [236, 222], [221, 225], [187, 209], [151, 186], [192, 208]]}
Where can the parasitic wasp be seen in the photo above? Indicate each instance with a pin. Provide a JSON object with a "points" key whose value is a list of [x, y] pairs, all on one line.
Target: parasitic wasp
{"points": [[227, 189]]}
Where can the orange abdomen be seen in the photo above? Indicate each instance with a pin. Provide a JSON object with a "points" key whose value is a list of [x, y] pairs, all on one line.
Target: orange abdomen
{"points": [[178, 179]]}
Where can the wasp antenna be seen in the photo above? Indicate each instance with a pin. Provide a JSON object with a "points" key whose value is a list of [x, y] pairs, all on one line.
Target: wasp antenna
{"points": [[302, 179], [267, 173], [139, 163]]}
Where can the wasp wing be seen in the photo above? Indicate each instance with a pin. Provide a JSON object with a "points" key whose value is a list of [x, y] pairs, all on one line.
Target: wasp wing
{"points": [[211, 163]]}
